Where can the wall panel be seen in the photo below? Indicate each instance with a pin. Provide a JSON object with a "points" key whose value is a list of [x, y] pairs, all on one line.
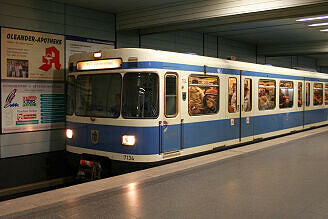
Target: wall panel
{"points": [[293, 62], [128, 39], [56, 18], [242, 51], [210, 45]]}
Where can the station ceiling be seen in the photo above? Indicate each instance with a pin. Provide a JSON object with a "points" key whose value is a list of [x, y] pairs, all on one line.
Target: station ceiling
{"points": [[271, 25]]}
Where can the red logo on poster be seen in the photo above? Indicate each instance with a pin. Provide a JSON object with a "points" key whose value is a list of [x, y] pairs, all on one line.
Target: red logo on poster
{"points": [[20, 117], [51, 57]]}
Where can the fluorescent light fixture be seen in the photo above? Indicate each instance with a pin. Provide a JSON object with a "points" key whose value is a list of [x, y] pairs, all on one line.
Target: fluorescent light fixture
{"points": [[99, 64], [318, 24], [313, 18], [324, 30]]}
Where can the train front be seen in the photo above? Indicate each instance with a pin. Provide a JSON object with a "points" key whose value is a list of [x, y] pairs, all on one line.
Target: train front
{"points": [[112, 109]]}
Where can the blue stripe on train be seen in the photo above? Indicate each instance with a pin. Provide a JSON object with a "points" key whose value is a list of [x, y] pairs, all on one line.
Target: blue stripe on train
{"points": [[195, 134], [110, 138]]}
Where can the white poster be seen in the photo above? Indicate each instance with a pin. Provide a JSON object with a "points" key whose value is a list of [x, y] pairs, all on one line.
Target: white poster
{"points": [[76, 45], [28, 55], [30, 106]]}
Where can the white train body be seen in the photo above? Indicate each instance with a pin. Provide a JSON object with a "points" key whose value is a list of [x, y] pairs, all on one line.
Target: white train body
{"points": [[147, 105]]}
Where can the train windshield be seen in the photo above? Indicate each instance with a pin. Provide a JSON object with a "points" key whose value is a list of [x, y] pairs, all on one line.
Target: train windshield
{"points": [[98, 95], [140, 95]]}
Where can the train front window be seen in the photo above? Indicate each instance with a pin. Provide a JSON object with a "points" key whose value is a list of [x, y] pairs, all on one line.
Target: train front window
{"points": [[70, 98], [98, 95], [140, 95]]}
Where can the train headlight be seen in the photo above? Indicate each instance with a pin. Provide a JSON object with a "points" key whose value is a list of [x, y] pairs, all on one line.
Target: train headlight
{"points": [[97, 54], [129, 140], [69, 133]]}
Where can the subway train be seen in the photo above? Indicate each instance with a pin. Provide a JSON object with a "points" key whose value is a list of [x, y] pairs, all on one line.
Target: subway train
{"points": [[143, 105]]}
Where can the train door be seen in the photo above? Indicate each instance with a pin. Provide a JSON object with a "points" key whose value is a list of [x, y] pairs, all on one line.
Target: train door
{"points": [[171, 125], [247, 111], [232, 131], [301, 102], [307, 106]]}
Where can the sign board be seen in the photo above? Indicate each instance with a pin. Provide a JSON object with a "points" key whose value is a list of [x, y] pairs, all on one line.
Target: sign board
{"points": [[30, 106], [27, 55], [76, 45]]}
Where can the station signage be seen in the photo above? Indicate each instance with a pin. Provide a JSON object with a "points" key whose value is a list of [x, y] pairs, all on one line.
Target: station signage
{"points": [[32, 106], [28, 55]]}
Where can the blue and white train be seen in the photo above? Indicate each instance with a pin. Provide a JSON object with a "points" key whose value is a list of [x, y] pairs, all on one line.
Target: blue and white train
{"points": [[143, 105]]}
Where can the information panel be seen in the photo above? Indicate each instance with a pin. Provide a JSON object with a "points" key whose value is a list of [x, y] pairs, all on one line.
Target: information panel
{"points": [[32, 106], [76, 45], [27, 55]]}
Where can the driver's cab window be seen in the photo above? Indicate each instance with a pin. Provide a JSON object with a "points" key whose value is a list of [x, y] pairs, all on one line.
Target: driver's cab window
{"points": [[171, 105]]}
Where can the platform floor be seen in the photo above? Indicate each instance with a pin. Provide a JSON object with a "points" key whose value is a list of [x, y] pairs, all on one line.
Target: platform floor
{"points": [[280, 178]]}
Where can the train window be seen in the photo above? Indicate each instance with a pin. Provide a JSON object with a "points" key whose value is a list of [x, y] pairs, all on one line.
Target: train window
{"points": [[171, 108], [326, 94], [267, 94], [317, 94], [247, 95], [307, 94], [300, 92], [70, 97], [232, 95], [140, 95], [98, 95], [286, 94], [203, 95]]}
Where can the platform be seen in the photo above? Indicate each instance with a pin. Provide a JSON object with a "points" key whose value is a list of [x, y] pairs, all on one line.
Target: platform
{"points": [[285, 177]]}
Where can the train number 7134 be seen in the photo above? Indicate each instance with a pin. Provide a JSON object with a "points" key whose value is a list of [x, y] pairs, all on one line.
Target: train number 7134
{"points": [[128, 157]]}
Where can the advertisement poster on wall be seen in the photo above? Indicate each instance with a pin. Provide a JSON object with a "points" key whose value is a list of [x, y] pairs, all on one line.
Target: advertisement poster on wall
{"points": [[31, 106], [28, 55], [76, 45]]}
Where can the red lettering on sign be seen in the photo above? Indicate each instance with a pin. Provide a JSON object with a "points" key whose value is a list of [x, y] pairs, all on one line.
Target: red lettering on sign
{"points": [[51, 57]]}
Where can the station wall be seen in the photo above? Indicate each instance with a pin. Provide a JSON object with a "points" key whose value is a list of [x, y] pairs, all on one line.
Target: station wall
{"points": [[323, 69], [56, 18], [189, 42], [292, 62], [209, 45]]}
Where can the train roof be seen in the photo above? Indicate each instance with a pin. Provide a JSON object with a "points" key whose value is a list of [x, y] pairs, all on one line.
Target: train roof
{"points": [[151, 55]]}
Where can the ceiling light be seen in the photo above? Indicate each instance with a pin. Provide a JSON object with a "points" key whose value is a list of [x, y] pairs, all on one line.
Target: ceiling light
{"points": [[319, 24], [324, 30], [313, 18]]}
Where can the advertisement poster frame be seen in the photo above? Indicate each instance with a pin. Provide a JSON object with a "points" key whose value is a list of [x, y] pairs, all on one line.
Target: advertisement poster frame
{"points": [[25, 37]]}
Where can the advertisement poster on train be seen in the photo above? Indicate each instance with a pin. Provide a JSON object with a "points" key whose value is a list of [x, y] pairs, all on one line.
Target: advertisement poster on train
{"points": [[76, 45], [32, 106], [28, 55]]}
